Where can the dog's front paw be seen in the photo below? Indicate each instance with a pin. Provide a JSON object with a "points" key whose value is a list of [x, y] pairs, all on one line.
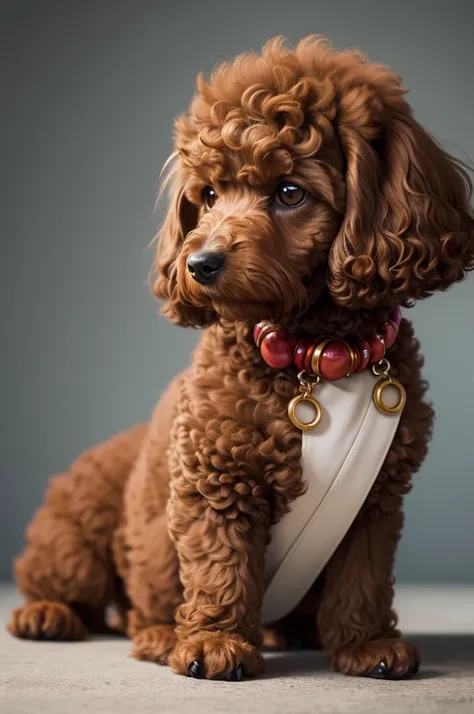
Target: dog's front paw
{"points": [[154, 644], [379, 659], [216, 655], [46, 620]]}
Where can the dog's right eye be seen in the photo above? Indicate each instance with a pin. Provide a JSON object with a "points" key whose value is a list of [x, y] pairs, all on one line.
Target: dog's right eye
{"points": [[209, 196], [289, 194]]}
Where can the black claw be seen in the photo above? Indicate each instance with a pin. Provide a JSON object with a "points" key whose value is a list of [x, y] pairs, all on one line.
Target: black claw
{"points": [[235, 675], [383, 672], [195, 670], [380, 672]]}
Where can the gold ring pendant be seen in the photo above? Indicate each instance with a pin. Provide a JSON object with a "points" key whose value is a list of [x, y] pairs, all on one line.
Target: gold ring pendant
{"points": [[304, 426], [379, 388]]}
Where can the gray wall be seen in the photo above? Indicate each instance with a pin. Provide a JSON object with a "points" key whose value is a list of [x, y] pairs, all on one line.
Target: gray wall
{"points": [[90, 89]]}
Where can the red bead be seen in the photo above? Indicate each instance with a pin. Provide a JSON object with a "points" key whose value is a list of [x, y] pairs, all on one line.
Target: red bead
{"points": [[363, 349], [390, 331], [277, 349], [257, 330], [308, 357], [262, 329], [396, 316], [335, 361], [377, 347], [300, 352]]}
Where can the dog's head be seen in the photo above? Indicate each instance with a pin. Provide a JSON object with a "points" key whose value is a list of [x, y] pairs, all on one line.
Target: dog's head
{"points": [[298, 172]]}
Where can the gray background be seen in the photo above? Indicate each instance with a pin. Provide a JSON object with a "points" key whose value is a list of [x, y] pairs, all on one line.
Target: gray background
{"points": [[89, 92]]}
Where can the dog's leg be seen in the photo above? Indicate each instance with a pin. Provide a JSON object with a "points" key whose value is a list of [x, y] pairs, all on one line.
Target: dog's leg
{"points": [[145, 553], [65, 583], [356, 622], [218, 625], [234, 461], [155, 590], [151, 577], [66, 572]]}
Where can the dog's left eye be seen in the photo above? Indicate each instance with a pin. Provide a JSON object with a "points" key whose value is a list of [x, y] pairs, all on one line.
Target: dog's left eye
{"points": [[209, 196], [289, 194]]}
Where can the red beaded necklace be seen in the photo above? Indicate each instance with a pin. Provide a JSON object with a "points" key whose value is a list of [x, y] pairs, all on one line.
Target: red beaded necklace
{"points": [[331, 359]]}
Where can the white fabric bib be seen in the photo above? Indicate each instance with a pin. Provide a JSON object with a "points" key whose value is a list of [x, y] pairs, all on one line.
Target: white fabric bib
{"points": [[341, 459]]}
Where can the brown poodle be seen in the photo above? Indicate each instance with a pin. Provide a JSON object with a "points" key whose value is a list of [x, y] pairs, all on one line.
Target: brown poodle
{"points": [[303, 192]]}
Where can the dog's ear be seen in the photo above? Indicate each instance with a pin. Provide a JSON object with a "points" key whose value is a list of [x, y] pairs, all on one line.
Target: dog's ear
{"points": [[181, 218], [408, 228]]}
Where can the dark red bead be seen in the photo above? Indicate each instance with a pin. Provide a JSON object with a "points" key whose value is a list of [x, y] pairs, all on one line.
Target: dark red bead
{"points": [[396, 316], [308, 357], [363, 349], [390, 331], [377, 347], [257, 331], [277, 349], [335, 361], [262, 329], [300, 352]]}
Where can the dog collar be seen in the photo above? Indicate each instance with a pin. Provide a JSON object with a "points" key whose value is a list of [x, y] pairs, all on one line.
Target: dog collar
{"points": [[330, 360]]}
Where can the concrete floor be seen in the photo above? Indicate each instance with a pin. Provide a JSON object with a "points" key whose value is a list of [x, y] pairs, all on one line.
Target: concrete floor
{"points": [[98, 676]]}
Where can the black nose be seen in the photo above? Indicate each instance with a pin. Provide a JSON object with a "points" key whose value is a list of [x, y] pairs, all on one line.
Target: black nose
{"points": [[205, 266]]}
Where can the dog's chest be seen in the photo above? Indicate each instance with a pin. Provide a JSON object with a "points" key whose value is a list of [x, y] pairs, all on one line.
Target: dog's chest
{"points": [[340, 460]]}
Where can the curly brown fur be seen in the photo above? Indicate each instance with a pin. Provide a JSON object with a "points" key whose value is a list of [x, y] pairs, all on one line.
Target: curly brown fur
{"points": [[170, 521]]}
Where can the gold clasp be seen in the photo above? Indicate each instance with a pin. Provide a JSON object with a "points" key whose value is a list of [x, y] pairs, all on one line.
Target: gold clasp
{"points": [[382, 370], [306, 387]]}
